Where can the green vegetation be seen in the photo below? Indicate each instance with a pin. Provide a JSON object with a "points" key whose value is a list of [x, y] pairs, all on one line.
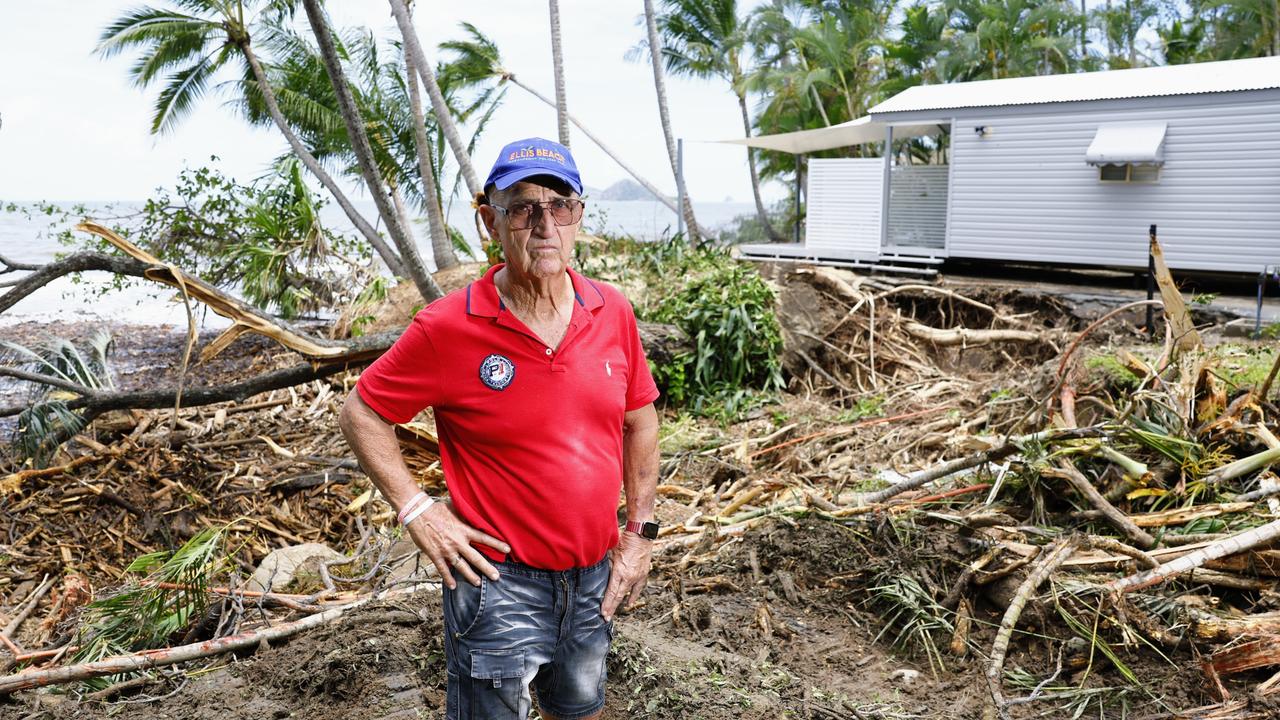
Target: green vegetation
{"points": [[163, 597], [865, 407], [48, 420], [1111, 371], [725, 308]]}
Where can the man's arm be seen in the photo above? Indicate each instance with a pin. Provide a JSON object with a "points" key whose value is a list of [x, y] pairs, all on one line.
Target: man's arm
{"points": [[631, 557], [438, 532]]}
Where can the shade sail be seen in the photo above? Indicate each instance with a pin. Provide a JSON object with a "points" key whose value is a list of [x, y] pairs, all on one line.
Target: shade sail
{"points": [[854, 132], [1127, 143]]}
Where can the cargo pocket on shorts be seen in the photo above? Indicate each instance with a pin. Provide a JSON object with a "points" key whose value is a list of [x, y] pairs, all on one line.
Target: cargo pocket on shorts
{"points": [[502, 671]]}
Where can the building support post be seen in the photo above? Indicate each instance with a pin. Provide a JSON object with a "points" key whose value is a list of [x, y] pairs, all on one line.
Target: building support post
{"points": [[1151, 284], [799, 158], [886, 186]]}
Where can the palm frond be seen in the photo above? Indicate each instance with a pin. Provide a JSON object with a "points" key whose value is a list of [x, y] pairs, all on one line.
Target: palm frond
{"points": [[146, 613], [149, 27], [185, 87]]}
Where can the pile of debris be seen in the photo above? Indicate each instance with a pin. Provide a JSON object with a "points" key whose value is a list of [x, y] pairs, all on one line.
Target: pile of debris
{"points": [[1075, 505]]}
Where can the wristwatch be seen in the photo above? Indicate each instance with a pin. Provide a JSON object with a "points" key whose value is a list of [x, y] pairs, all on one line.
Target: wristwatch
{"points": [[646, 529]]}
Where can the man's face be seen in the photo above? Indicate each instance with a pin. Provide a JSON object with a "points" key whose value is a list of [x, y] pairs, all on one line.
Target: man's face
{"points": [[540, 251]]}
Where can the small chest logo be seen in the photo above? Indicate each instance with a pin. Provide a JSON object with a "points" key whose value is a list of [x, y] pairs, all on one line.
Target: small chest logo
{"points": [[608, 369], [497, 372]]}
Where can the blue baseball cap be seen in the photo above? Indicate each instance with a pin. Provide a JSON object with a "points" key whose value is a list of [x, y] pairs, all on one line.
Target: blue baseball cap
{"points": [[534, 156]]}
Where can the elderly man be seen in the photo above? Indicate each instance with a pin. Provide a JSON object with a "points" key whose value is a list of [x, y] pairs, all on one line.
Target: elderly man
{"points": [[544, 408]]}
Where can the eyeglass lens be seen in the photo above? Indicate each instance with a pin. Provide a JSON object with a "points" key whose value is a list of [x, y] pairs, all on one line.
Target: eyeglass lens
{"points": [[528, 214]]}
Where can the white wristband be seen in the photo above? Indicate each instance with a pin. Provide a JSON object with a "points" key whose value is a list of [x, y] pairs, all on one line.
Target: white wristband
{"points": [[418, 511], [409, 506]]}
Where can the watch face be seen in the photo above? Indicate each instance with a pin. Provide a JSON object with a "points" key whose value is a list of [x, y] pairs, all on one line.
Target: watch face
{"points": [[646, 529]]}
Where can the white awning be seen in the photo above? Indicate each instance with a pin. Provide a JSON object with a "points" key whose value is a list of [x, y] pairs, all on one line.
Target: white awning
{"points": [[854, 132], [1131, 143]]}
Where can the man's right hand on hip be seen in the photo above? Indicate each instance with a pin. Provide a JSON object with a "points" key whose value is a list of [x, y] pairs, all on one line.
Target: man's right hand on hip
{"points": [[446, 539]]}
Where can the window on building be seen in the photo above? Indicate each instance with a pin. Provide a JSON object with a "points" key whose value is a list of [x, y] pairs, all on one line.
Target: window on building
{"points": [[1129, 173]]}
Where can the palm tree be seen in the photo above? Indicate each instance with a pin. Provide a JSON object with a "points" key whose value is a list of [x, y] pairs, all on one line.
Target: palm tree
{"points": [[664, 116], [917, 56], [413, 49], [1121, 27], [412, 168], [191, 47], [1241, 28], [477, 61], [351, 116], [1012, 38], [557, 64], [441, 246], [1183, 41], [707, 39]]}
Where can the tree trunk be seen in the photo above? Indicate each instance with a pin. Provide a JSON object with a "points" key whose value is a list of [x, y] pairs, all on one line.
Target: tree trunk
{"points": [[426, 284], [557, 63], [393, 261], [441, 245], [822, 109], [664, 114], [755, 176], [443, 116], [1128, 28]]}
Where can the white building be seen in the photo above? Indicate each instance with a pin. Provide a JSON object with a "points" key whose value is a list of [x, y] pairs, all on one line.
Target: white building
{"points": [[1062, 169]]}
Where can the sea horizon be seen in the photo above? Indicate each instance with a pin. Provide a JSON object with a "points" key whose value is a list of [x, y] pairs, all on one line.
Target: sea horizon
{"points": [[33, 240]]}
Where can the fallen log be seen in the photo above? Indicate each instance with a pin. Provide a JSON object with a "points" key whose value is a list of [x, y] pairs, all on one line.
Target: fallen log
{"points": [[1050, 560], [968, 337], [1251, 655], [148, 659], [42, 275], [952, 467], [1232, 545]]}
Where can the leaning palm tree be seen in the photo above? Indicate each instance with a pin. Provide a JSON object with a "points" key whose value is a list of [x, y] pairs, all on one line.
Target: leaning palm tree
{"points": [[413, 48], [426, 285], [188, 49], [664, 116], [707, 39], [412, 167], [557, 64], [477, 62]]}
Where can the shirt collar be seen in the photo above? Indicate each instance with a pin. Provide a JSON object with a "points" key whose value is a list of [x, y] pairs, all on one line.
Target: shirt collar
{"points": [[483, 299]]}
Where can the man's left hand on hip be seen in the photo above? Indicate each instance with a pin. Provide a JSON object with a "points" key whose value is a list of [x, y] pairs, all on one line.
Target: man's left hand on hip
{"points": [[631, 560]]}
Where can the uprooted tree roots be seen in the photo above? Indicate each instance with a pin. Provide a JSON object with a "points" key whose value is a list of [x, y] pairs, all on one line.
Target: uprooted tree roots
{"points": [[1043, 513]]}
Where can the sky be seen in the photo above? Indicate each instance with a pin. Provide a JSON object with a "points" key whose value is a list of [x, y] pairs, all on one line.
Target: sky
{"points": [[73, 127]]}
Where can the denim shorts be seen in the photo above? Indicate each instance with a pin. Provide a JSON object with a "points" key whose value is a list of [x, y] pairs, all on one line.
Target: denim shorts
{"points": [[531, 627]]}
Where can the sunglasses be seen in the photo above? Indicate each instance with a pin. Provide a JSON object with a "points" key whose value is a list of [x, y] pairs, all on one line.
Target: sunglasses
{"points": [[524, 215]]}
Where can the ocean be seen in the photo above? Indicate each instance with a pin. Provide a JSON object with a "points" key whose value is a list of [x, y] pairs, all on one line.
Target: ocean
{"points": [[31, 240]]}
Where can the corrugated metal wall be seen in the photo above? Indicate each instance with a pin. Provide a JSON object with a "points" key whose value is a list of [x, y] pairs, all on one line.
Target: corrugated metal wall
{"points": [[1024, 192], [918, 207], [844, 199]]}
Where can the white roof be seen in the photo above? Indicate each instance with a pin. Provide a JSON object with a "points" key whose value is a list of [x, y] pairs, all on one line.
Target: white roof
{"points": [[1210, 77], [854, 132], [1139, 143]]}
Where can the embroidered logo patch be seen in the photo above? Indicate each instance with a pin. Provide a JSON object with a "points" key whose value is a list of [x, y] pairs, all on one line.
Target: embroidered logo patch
{"points": [[497, 372]]}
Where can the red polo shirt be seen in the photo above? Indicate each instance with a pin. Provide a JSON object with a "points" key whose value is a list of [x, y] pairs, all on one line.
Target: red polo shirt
{"points": [[530, 436]]}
